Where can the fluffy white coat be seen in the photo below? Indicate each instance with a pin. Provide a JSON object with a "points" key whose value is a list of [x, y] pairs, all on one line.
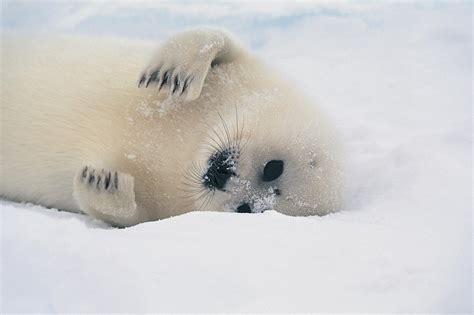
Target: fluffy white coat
{"points": [[78, 134]]}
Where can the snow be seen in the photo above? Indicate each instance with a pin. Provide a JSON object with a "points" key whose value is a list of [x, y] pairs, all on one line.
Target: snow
{"points": [[397, 81]]}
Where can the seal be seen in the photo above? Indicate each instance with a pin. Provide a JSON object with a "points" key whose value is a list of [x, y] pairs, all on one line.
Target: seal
{"points": [[209, 127]]}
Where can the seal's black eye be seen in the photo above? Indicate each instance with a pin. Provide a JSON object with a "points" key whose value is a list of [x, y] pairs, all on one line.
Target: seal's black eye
{"points": [[272, 170], [221, 168]]}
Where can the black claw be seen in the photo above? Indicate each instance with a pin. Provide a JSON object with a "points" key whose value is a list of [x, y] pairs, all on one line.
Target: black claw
{"points": [[186, 84], [116, 180], [142, 80], [107, 180], [166, 77], [176, 84], [84, 172], [91, 178], [153, 77], [98, 182]]}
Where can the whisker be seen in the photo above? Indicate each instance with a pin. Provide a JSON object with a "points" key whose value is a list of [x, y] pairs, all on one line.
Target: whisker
{"points": [[226, 130], [236, 127]]}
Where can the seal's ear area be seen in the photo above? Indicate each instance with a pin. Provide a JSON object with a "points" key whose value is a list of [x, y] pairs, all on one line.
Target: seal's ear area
{"points": [[181, 63]]}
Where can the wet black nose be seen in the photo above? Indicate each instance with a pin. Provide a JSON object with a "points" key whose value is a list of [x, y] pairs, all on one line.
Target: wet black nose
{"points": [[244, 208]]}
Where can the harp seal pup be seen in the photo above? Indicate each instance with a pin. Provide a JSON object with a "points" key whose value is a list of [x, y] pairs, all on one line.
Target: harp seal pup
{"points": [[209, 127]]}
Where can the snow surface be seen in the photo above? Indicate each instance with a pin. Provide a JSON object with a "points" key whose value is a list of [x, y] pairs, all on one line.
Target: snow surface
{"points": [[396, 78]]}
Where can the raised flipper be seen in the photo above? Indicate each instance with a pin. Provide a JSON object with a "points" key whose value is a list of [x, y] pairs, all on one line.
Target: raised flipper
{"points": [[181, 63]]}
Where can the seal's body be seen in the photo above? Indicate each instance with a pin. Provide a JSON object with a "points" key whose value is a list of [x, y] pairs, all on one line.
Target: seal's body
{"points": [[208, 127]]}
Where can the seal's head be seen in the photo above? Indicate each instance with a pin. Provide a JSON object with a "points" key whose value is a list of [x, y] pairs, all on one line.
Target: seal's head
{"points": [[276, 158]]}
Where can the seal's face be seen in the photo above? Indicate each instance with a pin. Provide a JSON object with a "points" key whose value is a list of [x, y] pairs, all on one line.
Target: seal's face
{"points": [[259, 167]]}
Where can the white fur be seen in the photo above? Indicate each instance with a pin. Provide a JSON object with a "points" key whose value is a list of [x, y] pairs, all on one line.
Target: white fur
{"points": [[68, 103]]}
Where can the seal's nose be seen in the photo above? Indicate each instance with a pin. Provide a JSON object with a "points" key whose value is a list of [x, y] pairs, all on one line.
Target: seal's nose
{"points": [[244, 208]]}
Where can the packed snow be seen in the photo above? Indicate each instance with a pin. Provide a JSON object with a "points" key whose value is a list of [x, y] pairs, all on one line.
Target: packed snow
{"points": [[396, 79]]}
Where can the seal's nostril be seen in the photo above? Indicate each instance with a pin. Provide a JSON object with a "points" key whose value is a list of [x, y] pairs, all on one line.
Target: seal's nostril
{"points": [[244, 208]]}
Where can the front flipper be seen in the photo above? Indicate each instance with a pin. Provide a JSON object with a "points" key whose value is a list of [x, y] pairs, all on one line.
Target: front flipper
{"points": [[106, 195], [182, 62]]}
